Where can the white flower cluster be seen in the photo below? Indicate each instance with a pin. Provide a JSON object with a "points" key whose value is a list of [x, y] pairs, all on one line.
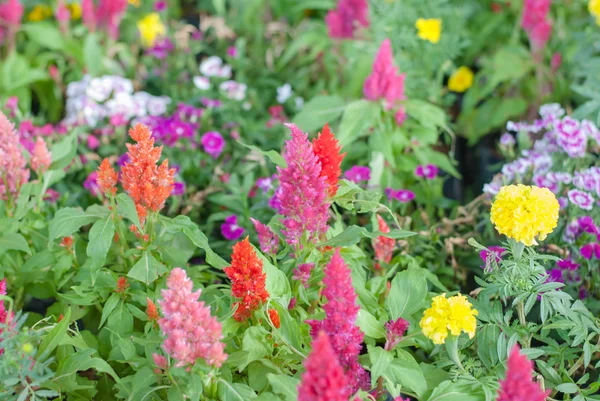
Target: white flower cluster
{"points": [[91, 100], [213, 67]]}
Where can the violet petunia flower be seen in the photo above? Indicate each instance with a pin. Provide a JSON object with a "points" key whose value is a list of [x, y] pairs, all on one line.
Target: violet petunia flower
{"points": [[230, 229], [401, 195], [428, 171], [178, 188], [213, 143]]}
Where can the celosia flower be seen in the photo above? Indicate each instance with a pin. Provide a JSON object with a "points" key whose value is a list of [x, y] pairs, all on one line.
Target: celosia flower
{"points": [[151, 310], [518, 384], [491, 256], [327, 150], [122, 285], [302, 273], [358, 173], [107, 178], [594, 7], [461, 80], [247, 280], [395, 332], [107, 15], [230, 229], [385, 82], [41, 158], [341, 310], [581, 198], [555, 62], [324, 378], [5, 317], [429, 29], [160, 361], [151, 28], [535, 21], [11, 13], [13, 170], [269, 242], [448, 315], [523, 213], [191, 332], [63, 16], [383, 246], [346, 18], [146, 183], [303, 190], [213, 143], [428, 171], [274, 316]]}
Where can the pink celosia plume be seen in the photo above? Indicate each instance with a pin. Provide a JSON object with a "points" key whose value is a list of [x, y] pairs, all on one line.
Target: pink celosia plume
{"points": [[88, 14], [13, 170], [348, 16], [518, 384], [341, 310], [536, 23], [266, 237], [11, 13], [395, 332], [191, 331], [385, 83], [324, 378], [303, 191], [106, 15], [5, 316], [63, 15], [41, 158]]}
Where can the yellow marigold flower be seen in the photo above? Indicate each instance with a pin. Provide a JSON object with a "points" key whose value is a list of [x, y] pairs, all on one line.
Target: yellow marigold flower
{"points": [[429, 29], [522, 213], [75, 10], [135, 3], [454, 315], [461, 80], [594, 7], [39, 12], [151, 27]]}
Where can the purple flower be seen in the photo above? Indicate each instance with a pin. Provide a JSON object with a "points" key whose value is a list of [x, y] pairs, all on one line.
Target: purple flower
{"points": [[491, 256], [545, 181], [274, 202], [265, 183], [428, 171], [230, 230], [160, 5], [581, 199], [570, 137], [188, 112], [590, 250], [507, 140], [556, 276], [401, 195], [213, 143], [586, 224], [567, 264], [178, 189], [232, 51], [161, 48], [358, 174], [123, 159], [211, 103], [563, 202], [302, 273], [91, 184]]}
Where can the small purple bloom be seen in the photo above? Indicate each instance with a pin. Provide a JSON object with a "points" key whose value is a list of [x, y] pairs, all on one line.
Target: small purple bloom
{"points": [[302, 273], [178, 189], [91, 183], [428, 171], [563, 202], [124, 158], [556, 276], [211, 103], [274, 202], [358, 173], [232, 51], [401, 195], [590, 250], [265, 183], [567, 264], [161, 49], [213, 143], [160, 5], [507, 140], [581, 199], [583, 293], [586, 224], [230, 230], [492, 254], [544, 181]]}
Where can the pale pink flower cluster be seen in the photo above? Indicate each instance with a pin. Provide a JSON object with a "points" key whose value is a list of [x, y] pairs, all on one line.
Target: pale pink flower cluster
{"points": [[41, 158], [13, 170], [191, 331]]}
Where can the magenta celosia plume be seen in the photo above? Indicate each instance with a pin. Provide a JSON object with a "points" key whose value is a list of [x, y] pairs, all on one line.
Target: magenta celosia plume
{"points": [[385, 82], [536, 23], [11, 13], [341, 310], [40, 157], [13, 170], [324, 378], [303, 191], [519, 384], [346, 18], [106, 15], [5, 316], [269, 243], [191, 332]]}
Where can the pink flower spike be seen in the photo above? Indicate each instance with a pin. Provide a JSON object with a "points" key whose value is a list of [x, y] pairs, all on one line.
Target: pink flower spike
{"points": [[269, 243], [191, 332], [536, 23], [13, 170], [395, 332], [324, 378], [518, 385], [385, 82], [88, 14], [41, 158], [346, 18]]}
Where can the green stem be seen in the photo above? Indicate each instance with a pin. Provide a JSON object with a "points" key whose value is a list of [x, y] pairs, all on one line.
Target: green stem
{"points": [[452, 349]]}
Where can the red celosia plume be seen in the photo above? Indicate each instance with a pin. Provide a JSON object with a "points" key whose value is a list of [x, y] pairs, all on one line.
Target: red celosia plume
{"points": [[327, 149], [384, 246], [248, 280]]}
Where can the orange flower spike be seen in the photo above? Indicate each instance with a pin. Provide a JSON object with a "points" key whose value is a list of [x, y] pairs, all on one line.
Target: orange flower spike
{"points": [[151, 310], [107, 178], [327, 149], [274, 315]]}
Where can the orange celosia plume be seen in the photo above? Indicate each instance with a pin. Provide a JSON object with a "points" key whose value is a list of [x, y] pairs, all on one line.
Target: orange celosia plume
{"points": [[107, 178], [148, 185], [327, 149], [248, 280], [384, 246]]}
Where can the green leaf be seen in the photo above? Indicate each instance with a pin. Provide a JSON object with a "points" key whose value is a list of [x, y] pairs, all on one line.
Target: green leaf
{"points": [[147, 269], [54, 337], [14, 242], [352, 197], [126, 207], [318, 111], [200, 240], [455, 391], [234, 391], [64, 151], [369, 325], [83, 360], [274, 156], [100, 239], [109, 306], [408, 372], [353, 234], [68, 220], [92, 54], [567, 388], [380, 362], [425, 113], [358, 117], [45, 34], [284, 385], [407, 294]]}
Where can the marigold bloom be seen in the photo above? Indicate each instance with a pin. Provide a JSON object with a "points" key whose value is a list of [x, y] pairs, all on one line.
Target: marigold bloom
{"points": [[274, 316], [346, 18], [454, 315], [41, 158], [461, 80], [151, 28], [191, 331], [303, 190], [383, 246], [385, 82], [341, 310], [269, 243], [429, 29], [39, 12], [147, 184], [518, 384], [107, 178], [594, 7], [13, 170], [324, 378], [247, 280], [327, 149], [151, 310], [522, 213]]}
